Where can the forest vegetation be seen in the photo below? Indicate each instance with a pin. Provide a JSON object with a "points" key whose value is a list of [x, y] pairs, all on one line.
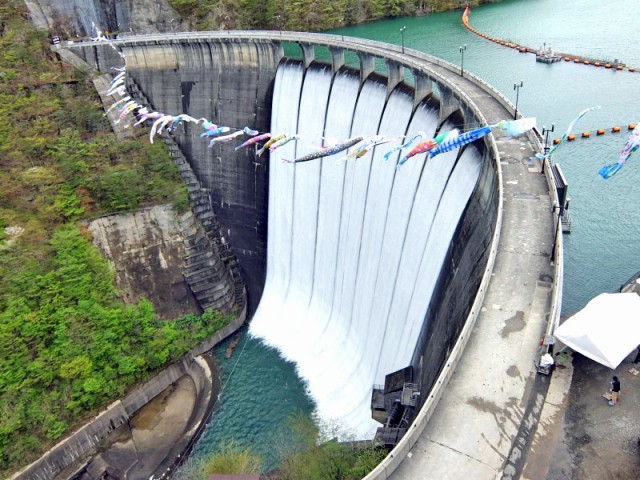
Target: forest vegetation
{"points": [[68, 344], [303, 15], [301, 454]]}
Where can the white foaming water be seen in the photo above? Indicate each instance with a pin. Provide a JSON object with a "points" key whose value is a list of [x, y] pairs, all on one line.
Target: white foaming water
{"points": [[354, 248]]}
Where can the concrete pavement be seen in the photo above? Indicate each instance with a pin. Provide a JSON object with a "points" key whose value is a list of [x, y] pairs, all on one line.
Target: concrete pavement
{"points": [[579, 435]]}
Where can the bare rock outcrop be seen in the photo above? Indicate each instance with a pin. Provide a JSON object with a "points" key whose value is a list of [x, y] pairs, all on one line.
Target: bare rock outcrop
{"points": [[147, 250]]}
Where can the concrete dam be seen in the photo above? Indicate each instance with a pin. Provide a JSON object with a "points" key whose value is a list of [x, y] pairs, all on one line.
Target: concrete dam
{"points": [[355, 270]]}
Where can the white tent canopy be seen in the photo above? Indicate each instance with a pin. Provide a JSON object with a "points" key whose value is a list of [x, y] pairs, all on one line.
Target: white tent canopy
{"points": [[606, 330]]}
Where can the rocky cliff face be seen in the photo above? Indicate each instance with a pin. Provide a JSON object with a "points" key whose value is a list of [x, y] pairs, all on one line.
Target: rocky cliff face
{"points": [[147, 250], [73, 18]]}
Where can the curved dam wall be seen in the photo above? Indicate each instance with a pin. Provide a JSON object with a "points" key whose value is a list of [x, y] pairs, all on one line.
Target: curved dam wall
{"points": [[231, 84], [370, 268]]}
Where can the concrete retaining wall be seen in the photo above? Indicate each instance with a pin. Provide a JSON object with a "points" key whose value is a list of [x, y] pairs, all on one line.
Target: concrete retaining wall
{"points": [[84, 442], [147, 251], [459, 279]]}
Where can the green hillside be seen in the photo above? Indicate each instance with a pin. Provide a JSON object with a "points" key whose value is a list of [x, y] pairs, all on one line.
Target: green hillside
{"points": [[68, 345]]}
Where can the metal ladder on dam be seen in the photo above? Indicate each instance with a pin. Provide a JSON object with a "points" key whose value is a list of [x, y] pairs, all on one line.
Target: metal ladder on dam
{"points": [[208, 257]]}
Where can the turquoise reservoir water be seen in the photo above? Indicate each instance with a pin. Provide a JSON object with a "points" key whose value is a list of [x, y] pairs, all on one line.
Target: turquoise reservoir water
{"points": [[260, 391], [602, 250]]}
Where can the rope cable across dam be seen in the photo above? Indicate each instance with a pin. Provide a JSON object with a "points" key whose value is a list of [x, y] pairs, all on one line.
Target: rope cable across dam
{"points": [[567, 57]]}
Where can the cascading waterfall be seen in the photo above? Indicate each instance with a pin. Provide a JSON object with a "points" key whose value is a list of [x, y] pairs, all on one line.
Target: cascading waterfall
{"points": [[355, 248]]}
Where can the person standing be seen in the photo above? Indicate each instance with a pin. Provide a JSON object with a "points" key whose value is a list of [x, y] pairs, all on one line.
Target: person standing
{"points": [[615, 391]]}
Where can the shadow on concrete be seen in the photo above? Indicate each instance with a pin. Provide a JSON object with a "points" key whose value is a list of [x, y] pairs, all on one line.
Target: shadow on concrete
{"points": [[599, 441]]}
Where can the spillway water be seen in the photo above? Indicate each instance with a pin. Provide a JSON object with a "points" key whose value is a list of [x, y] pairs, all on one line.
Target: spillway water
{"points": [[354, 248]]}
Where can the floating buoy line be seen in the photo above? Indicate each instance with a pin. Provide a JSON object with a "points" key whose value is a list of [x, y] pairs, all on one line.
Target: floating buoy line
{"points": [[565, 56], [598, 132]]}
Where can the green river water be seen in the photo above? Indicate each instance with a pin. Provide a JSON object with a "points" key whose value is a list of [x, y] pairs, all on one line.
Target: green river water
{"points": [[260, 390]]}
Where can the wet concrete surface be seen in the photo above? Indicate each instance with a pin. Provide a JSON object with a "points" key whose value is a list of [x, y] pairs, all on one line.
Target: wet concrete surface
{"points": [[156, 437], [583, 438], [140, 446]]}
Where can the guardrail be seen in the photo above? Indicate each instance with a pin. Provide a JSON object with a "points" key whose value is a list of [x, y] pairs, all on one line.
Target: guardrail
{"points": [[558, 261]]}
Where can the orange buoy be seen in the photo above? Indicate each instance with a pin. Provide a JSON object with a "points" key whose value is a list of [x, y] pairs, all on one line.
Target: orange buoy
{"points": [[600, 131], [586, 134], [523, 50], [586, 62], [619, 67], [576, 60], [597, 64], [566, 59], [615, 129], [631, 69], [556, 141], [571, 138], [607, 65], [632, 126]]}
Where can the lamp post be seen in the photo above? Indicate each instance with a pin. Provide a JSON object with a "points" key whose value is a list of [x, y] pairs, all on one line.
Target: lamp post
{"points": [[517, 87], [545, 132], [402, 35], [462, 49]]}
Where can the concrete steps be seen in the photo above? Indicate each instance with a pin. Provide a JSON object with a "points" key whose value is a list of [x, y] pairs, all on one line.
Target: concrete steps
{"points": [[211, 269]]}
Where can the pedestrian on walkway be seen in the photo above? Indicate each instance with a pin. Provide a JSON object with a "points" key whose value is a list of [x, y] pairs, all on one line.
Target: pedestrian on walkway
{"points": [[615, 391]]}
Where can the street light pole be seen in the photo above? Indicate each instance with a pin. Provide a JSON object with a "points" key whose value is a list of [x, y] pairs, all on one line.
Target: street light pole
{"points": [[517, 87], [462, 49], [402, 35], [279, 23], [545, 132]]}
